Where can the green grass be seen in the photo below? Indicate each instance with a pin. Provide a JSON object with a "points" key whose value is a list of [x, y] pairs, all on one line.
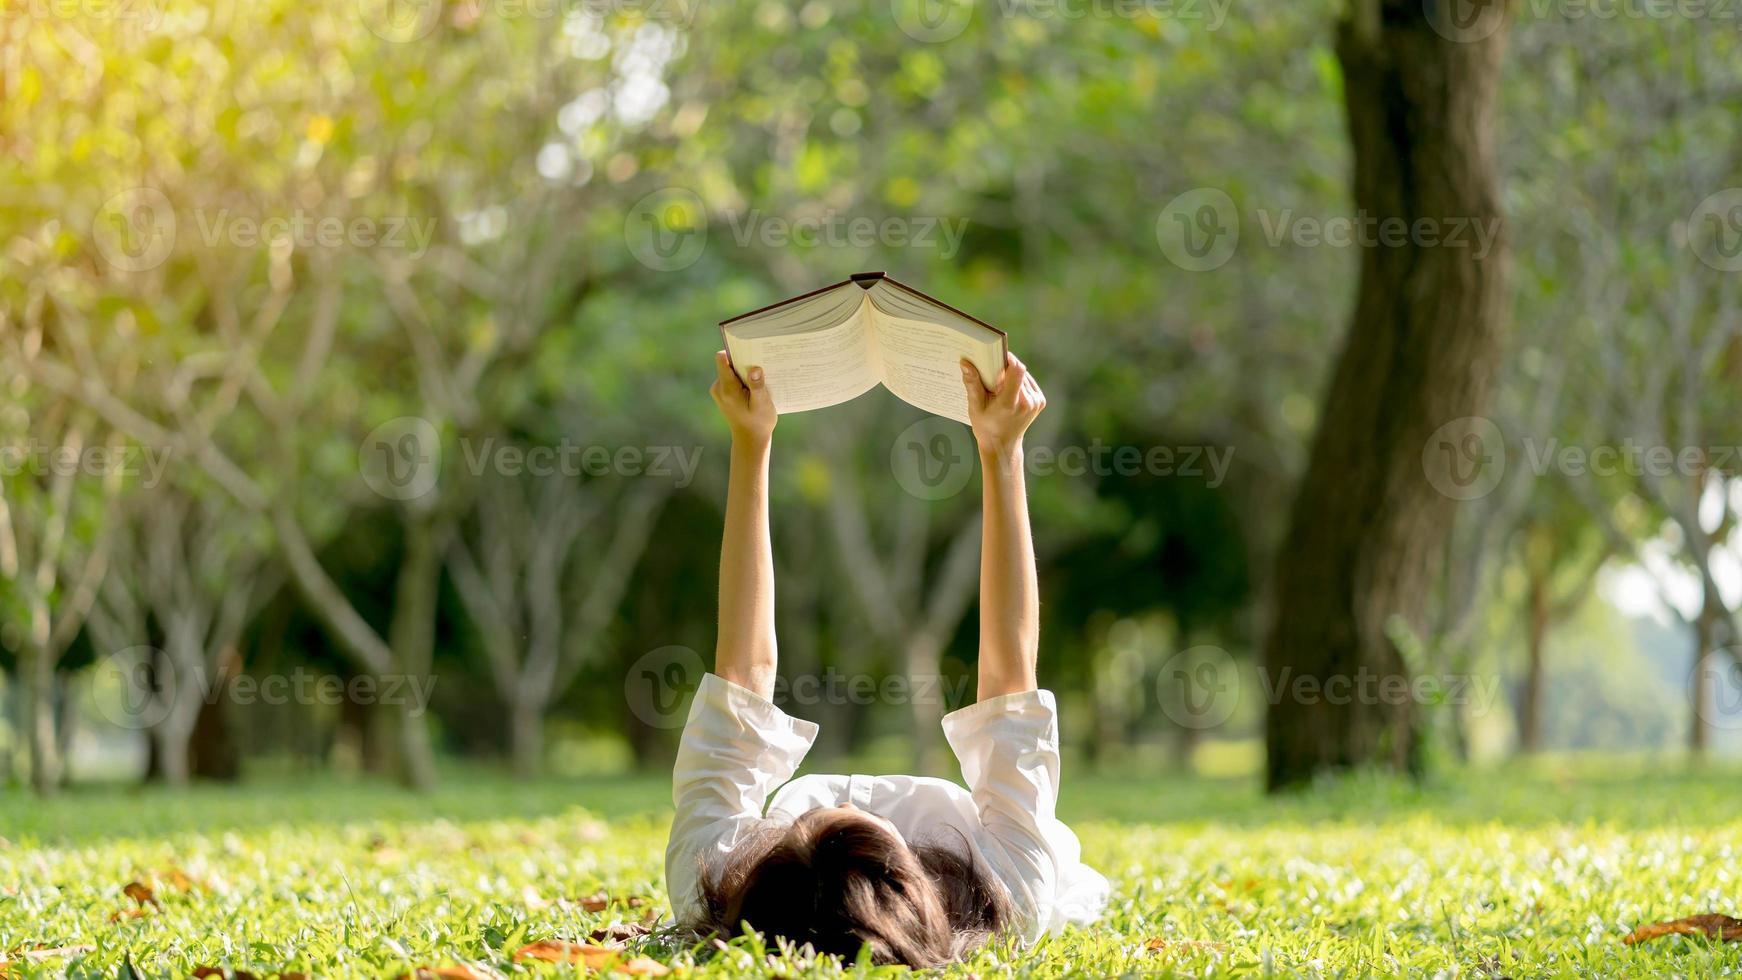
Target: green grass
{"points": [[1520, 872]]}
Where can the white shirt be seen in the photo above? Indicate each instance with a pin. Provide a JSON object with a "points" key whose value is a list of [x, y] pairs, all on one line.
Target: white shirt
{"points": [[738, 748]]}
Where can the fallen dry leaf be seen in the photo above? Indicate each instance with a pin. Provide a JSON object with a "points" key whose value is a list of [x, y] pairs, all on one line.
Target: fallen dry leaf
{"points": [[135, 913], [1158, 945], [213, 971], [1713, 925], [36, 954], [600, 901], [560, 951], [619, 933], [456, 971], [140, 892], [590, 956], [177, 879]]}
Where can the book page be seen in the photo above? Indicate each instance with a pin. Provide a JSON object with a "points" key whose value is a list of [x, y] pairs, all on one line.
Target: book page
{"points": [[812, 365], [920, 357]]}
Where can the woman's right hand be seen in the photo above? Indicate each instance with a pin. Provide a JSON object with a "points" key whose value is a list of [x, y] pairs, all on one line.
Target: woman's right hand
{"points": [[749, 409], [1001, 415]]}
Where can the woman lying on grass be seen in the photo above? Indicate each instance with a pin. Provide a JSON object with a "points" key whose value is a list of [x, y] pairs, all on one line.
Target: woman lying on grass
{"points": [[919, 870]]}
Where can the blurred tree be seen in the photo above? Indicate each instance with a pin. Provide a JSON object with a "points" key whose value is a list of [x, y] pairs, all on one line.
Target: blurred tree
{"points": [[537, 600], [61, 474], [1658, 302], [189, 572]]}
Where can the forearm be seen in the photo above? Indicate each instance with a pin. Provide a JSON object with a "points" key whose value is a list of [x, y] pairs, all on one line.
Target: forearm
{"points": [[1009, 592], [745, 651]]}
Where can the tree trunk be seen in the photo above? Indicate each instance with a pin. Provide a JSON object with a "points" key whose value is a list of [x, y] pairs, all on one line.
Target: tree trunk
{"points": [[171, 741], [526, 737], [212, 749], [416, 750], [412, 639], [925, 690], [12, 713], [1366, 528], [40, 733], [1530, 697], [1699, 693], [154, 673]]}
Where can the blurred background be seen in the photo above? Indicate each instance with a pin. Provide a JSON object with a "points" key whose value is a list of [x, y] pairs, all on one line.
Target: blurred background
{"points": [[355, 359]]}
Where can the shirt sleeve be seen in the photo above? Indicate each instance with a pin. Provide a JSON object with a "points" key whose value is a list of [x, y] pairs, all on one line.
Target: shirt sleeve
{"points": [[1009, 751], [736, 749]]}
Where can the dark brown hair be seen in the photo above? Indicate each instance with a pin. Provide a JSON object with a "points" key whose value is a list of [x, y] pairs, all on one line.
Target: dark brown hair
{"points": [[838, 881]]}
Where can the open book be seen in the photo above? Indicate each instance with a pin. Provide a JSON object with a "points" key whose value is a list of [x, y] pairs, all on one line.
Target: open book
{"points": [[838, 342]]}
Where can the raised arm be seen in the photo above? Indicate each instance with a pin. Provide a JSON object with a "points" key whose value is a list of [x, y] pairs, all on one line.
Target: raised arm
{"points": [[1009, 594], [745, 652]]}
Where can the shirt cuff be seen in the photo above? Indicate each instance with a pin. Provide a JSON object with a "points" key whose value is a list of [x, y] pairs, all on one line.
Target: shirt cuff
{"points": [[1038, 704], [752, 710]]}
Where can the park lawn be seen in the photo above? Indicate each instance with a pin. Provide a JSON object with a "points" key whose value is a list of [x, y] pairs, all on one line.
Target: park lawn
{"points": [[1517, 872]]}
